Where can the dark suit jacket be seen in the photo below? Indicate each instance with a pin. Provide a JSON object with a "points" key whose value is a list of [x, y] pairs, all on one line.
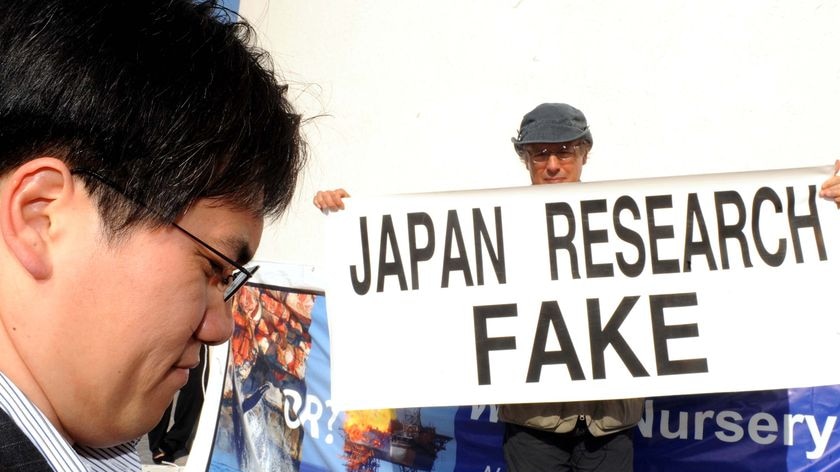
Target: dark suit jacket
{"points": [[16, 451]]}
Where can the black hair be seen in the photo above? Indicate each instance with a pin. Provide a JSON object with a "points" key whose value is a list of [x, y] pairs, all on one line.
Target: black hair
{"points": [[166, 98]]}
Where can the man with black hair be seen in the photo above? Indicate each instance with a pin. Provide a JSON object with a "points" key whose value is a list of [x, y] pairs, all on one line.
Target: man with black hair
{"points": [[142, 144]]}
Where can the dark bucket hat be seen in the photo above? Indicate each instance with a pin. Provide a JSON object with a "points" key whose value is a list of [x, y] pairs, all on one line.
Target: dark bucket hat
{"points": [[551, 123]]}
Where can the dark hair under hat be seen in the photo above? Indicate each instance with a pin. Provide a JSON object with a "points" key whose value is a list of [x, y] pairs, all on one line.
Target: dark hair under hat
{"points": [[552, 123]]}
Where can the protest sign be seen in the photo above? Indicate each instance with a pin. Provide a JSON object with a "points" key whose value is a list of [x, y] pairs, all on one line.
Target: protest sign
{"points": [[591, 291]]}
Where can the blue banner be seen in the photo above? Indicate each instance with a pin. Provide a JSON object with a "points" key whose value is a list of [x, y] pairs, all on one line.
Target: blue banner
{"points": [[276, 413]]}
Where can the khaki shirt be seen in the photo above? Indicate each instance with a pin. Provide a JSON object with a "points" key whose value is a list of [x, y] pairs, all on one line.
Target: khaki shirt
{"points": [[602, 417]]}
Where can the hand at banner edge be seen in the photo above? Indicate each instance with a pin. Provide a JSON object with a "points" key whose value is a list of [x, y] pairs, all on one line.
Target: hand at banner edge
{"points": [[330, 200], [831, 187]]}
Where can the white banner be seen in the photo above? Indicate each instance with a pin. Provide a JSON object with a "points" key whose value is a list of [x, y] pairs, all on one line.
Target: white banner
{"points": [[588, 291]]}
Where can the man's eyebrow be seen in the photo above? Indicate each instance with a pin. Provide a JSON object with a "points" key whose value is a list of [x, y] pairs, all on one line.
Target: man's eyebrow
{"points": [[239, 247]]}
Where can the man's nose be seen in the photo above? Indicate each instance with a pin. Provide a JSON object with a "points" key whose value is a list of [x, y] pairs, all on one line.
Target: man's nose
{"points": [[217, 325], [554, 163]]}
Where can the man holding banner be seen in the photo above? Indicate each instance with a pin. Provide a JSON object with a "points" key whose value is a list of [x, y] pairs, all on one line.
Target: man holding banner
{"points": [[554, 142]]}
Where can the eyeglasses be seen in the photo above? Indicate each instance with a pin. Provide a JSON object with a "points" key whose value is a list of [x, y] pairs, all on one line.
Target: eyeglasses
{"points": [[231, 283], [565, 152]]}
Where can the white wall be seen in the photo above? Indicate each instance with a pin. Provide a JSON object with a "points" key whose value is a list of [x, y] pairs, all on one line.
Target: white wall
{"points": [[417, 96]]}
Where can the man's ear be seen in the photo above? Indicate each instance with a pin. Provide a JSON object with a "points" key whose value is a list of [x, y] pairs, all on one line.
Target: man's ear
{"points": [[28, 201]]}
